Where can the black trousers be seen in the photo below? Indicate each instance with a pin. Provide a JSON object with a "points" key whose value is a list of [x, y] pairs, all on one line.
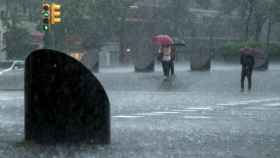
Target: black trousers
{"points": [[246, 72], [172, 67], [168, 66]]}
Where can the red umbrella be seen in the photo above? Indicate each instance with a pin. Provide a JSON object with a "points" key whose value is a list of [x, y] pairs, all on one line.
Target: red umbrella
{"points": [[162, 40]]}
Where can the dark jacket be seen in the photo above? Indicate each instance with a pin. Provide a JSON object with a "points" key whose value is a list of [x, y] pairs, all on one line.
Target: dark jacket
{"points": [[247, 61]]}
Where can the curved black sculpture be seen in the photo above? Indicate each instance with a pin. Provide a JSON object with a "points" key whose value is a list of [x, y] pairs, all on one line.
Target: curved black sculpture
{"points": [[64, 102]]}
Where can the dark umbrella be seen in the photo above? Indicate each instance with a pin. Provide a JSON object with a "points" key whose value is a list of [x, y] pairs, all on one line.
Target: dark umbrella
{"points": [[259, 55], [255, 52], [179, 43], [246, 51]]}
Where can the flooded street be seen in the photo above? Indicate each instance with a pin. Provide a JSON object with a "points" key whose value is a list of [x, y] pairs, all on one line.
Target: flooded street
{"points": [[199, 115]]}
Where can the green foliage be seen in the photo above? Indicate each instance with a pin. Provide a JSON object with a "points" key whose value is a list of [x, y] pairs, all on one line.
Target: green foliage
{"points": [[205, 4], [174, 18], [18, 44], [252, 14], [93, 21], [274, 50], [233, 48]]}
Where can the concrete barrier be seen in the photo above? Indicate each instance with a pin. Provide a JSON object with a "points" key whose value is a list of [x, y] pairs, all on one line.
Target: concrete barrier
{"points": [[91, 60], [144, 58], [201, 61], [261, 60]]}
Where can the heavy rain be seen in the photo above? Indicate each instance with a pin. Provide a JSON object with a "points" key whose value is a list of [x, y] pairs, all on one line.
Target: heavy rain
{"points": [[139, 78]]}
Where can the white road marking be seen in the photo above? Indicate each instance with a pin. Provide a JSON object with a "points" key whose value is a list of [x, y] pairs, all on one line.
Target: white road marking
{"points": [[199, 108], [197, 117], [126, 116], [259, 108], [10, 98], [171, 112], [232, 104], [246, 102], [157, 113], [149, 114], [186, 110], [161, 113], [273, 105]]}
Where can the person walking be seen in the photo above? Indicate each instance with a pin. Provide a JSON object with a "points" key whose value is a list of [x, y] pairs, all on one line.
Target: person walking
{"points": [[165, 56], [247, 62]]}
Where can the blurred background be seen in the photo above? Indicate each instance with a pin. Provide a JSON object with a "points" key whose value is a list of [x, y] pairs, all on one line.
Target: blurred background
{"points": [[121, 30]]}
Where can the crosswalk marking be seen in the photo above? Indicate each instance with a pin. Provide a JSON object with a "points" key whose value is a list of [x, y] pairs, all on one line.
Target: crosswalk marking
{"points": [[186, 110], [166, 112], [191, 112], [199, 108], [197, 117], [126, 116], [172, 112], [273, 104], [246, 102], [8, 98], [148, 114]]}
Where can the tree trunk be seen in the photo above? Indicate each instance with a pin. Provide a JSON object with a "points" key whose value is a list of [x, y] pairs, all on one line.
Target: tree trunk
{"points": [[176, 16], [259, 26], [122, 54], [269, 28], [247, 23]]}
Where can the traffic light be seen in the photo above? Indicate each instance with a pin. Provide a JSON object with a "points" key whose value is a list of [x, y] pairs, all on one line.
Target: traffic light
{"points": [[55, 13], [46, 16]]}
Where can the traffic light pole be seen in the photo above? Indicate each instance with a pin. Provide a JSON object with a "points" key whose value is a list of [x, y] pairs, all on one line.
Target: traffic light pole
{"points": [[51, 16]]}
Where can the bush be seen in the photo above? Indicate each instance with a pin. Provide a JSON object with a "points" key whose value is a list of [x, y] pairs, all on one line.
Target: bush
{"points": [[274, 50]]}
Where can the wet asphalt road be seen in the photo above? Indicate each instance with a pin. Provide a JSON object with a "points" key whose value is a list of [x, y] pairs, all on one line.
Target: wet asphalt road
{"points": [[199, 115]]}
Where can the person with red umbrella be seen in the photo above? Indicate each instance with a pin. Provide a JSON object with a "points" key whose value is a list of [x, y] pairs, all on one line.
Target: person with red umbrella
{"points": [[247, 61], [166, 54]]}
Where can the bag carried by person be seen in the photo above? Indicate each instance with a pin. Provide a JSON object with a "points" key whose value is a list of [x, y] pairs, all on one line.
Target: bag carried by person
{"points": [[159, 57]]}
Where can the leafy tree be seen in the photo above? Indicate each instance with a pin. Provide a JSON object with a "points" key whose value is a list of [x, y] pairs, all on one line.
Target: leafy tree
{"points": [[205, 4], [18, 43], [252, 13], [17, 39], [175, 18]]}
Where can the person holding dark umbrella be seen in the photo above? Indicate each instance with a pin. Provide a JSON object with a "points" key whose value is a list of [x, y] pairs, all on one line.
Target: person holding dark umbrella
{"points": [[247, 61]]}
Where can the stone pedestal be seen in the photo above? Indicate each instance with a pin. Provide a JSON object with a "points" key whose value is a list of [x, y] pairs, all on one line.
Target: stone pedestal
{"points": [[91, 60], [201, 61], [64, 101], [144, 58], [261, 60]]}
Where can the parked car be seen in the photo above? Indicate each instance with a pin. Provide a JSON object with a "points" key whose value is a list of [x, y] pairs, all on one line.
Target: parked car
{"points": [[12, 78]]}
